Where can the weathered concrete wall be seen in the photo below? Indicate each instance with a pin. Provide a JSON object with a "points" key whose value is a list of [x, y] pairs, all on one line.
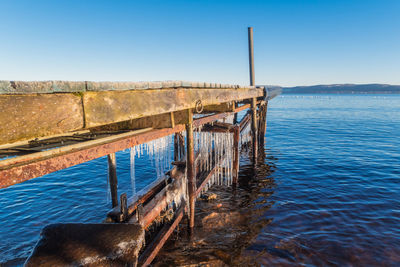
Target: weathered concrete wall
{"points": [[39, 109], [29, 116], [108, 107]]}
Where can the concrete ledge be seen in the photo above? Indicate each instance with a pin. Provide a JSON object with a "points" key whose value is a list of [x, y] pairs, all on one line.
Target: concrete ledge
{"points": [[25, 117], [46, 87], [88, 245]]}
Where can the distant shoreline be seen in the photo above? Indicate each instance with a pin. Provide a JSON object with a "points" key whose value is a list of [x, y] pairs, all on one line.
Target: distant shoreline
{"points": [[341, 89]]}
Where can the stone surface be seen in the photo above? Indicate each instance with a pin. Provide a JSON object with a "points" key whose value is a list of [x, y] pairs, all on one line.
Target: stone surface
{"points": [[26, 117], [88, 245], [39, 109], [103, 108], [32, 87]]}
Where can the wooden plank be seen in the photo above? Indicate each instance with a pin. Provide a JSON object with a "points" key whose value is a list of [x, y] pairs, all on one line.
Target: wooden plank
{"points": [[114, 106], [26, 117]]}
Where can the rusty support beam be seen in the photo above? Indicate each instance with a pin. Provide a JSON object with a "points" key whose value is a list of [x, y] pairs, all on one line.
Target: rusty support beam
{"points": [[190, 167], [149, 192], [243, 123], [112, 178], [159, 202], [243, 107], [155, 246], [254, 128], [235, 169], [31, 166], [211, 118], [153, 209], [204, 182]]}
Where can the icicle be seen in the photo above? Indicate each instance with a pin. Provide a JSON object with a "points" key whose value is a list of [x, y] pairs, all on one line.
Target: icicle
{"points": [[132, 162], [108, 184]]}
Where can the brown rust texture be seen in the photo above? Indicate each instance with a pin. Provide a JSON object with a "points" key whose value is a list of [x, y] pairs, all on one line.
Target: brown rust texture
{"points": [[150, 253], [26, 117], [10, 175], [114, 106]]}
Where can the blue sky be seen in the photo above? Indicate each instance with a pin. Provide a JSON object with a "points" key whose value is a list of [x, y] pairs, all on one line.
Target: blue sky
{"points": [[296, 42]]}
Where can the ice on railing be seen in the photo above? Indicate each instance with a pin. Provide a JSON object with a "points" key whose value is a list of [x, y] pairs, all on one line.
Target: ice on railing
{"points": [[214, 150], [160, 154], [245, 137], [132, 163]]}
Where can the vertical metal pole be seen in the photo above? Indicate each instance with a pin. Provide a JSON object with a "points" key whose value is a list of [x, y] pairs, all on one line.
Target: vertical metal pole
{"points": [[254, 127], [254, 100], [112, 178], [251, 56], [235, 171], [190, 169]]}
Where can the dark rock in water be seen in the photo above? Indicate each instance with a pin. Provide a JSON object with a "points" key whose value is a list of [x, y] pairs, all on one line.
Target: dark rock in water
{"points": [[88, 245]]}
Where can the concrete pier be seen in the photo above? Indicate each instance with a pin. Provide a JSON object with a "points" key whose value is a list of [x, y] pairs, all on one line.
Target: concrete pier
{"points": [[49, 126]]}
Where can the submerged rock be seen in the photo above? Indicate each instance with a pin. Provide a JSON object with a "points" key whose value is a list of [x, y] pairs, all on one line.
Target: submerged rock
{"points": [[208, 196], [221, 219], [88, 245]]}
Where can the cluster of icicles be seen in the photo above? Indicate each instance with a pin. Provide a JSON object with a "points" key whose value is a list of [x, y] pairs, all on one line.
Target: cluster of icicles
{"points": [[245, 137], [212, 150], [160, 154]]}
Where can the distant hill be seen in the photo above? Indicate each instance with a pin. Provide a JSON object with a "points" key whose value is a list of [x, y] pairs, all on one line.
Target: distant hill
{"points": [[343, 89]]}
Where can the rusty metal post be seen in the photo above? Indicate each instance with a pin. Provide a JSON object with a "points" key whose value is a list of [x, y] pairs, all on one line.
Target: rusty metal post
{"points": [[236, 151], [262, 125], [251, 56], [176, 147], [112, 178], [254, 128], [190, 169]]}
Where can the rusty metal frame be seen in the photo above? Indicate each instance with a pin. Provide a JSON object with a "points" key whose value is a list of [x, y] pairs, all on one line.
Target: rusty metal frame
{"points": [[155, 246]]}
